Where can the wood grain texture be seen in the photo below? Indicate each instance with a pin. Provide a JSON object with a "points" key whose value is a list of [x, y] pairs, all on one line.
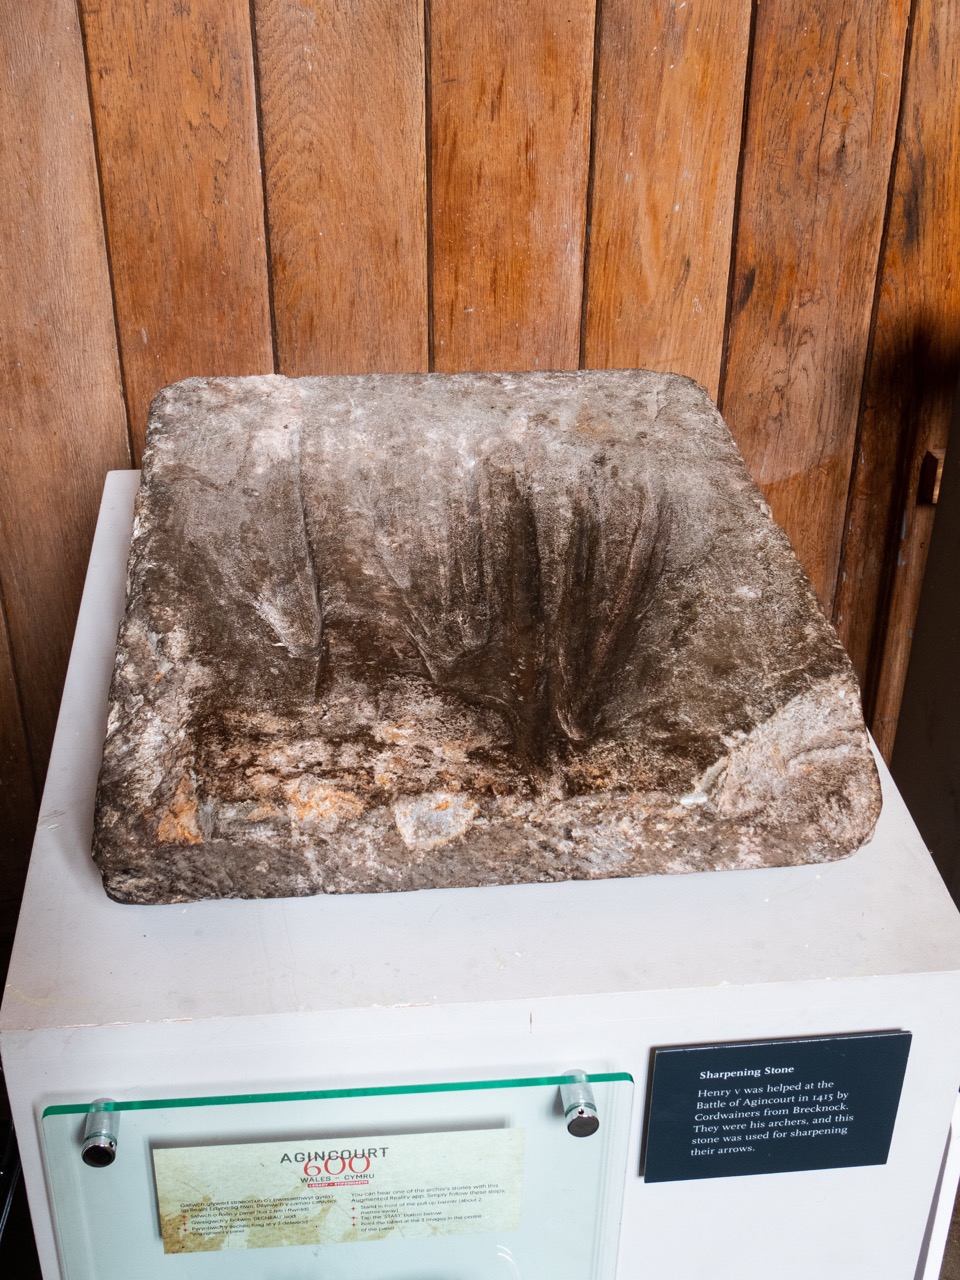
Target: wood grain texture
{"points": [[511, 98], [18, 797], [62, 420], [174, 105], [911, 377], [667, 146], [824, 98], [342, 105]]}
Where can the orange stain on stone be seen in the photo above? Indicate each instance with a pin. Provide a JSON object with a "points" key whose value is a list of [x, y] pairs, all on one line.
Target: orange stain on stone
{"points": [[319, 802], [180, 824]]}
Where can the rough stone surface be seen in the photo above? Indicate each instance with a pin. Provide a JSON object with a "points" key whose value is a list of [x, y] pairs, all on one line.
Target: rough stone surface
{"points": [[398, 632]]}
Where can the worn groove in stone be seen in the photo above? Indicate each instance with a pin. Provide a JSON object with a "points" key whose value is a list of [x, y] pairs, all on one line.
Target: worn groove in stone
{"points": [[397, 632]]}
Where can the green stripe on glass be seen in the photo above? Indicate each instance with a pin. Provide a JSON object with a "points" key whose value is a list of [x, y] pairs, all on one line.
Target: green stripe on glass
{"points": [[381, 1091]]}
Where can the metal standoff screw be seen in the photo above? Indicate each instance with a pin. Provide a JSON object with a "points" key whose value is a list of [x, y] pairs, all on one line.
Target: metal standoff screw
{"points": [[100, 1135], [579, 1107]]}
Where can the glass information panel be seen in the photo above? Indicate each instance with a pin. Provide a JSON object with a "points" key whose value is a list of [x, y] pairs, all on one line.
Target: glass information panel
{"points": [[478, 1180]]}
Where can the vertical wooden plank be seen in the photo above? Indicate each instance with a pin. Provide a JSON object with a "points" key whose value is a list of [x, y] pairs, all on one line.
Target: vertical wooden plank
{"points": [[342, 109], [175, 113], [62, 421], [911, 377], [824, 98], [18, 798], [667, 147], [511, 96]]}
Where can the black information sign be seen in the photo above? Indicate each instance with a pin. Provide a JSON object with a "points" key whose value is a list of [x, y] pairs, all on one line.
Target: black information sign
{"points": [[774, 1106]]}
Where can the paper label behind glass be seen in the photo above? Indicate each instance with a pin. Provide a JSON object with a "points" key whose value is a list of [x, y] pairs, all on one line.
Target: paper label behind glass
{"points": [[265, 1194]]}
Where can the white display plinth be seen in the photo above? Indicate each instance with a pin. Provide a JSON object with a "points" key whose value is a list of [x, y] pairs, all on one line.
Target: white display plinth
{"points": [[492, 983]]}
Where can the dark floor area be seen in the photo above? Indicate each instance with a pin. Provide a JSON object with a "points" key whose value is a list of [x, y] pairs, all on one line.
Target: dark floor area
{"points": [[18, 1256]]}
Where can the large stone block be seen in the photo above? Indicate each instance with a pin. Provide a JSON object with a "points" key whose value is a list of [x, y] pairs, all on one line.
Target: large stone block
{"points": [[397, 632]]}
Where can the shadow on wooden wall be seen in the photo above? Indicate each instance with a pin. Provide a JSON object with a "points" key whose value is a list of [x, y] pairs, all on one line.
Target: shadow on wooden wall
{"points": [[906, 417], [763, 197]]}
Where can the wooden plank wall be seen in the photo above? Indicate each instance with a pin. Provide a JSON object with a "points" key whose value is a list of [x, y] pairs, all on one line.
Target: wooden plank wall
{"points": [[764, 196], [667, 147], [911, 373], [62, 419], [815, 176], [342, 100]]}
